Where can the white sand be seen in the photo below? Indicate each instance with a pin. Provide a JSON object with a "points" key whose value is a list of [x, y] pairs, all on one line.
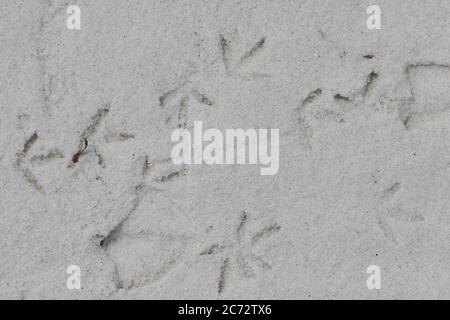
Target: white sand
{"points": [[364, 176]]}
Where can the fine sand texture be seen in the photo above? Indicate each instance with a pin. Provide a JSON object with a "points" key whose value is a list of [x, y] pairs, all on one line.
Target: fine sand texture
{"points": [[87, 179]]}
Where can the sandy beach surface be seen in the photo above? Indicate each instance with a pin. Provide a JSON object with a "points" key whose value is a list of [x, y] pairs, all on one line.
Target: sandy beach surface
{"points": [[87, 178]]}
